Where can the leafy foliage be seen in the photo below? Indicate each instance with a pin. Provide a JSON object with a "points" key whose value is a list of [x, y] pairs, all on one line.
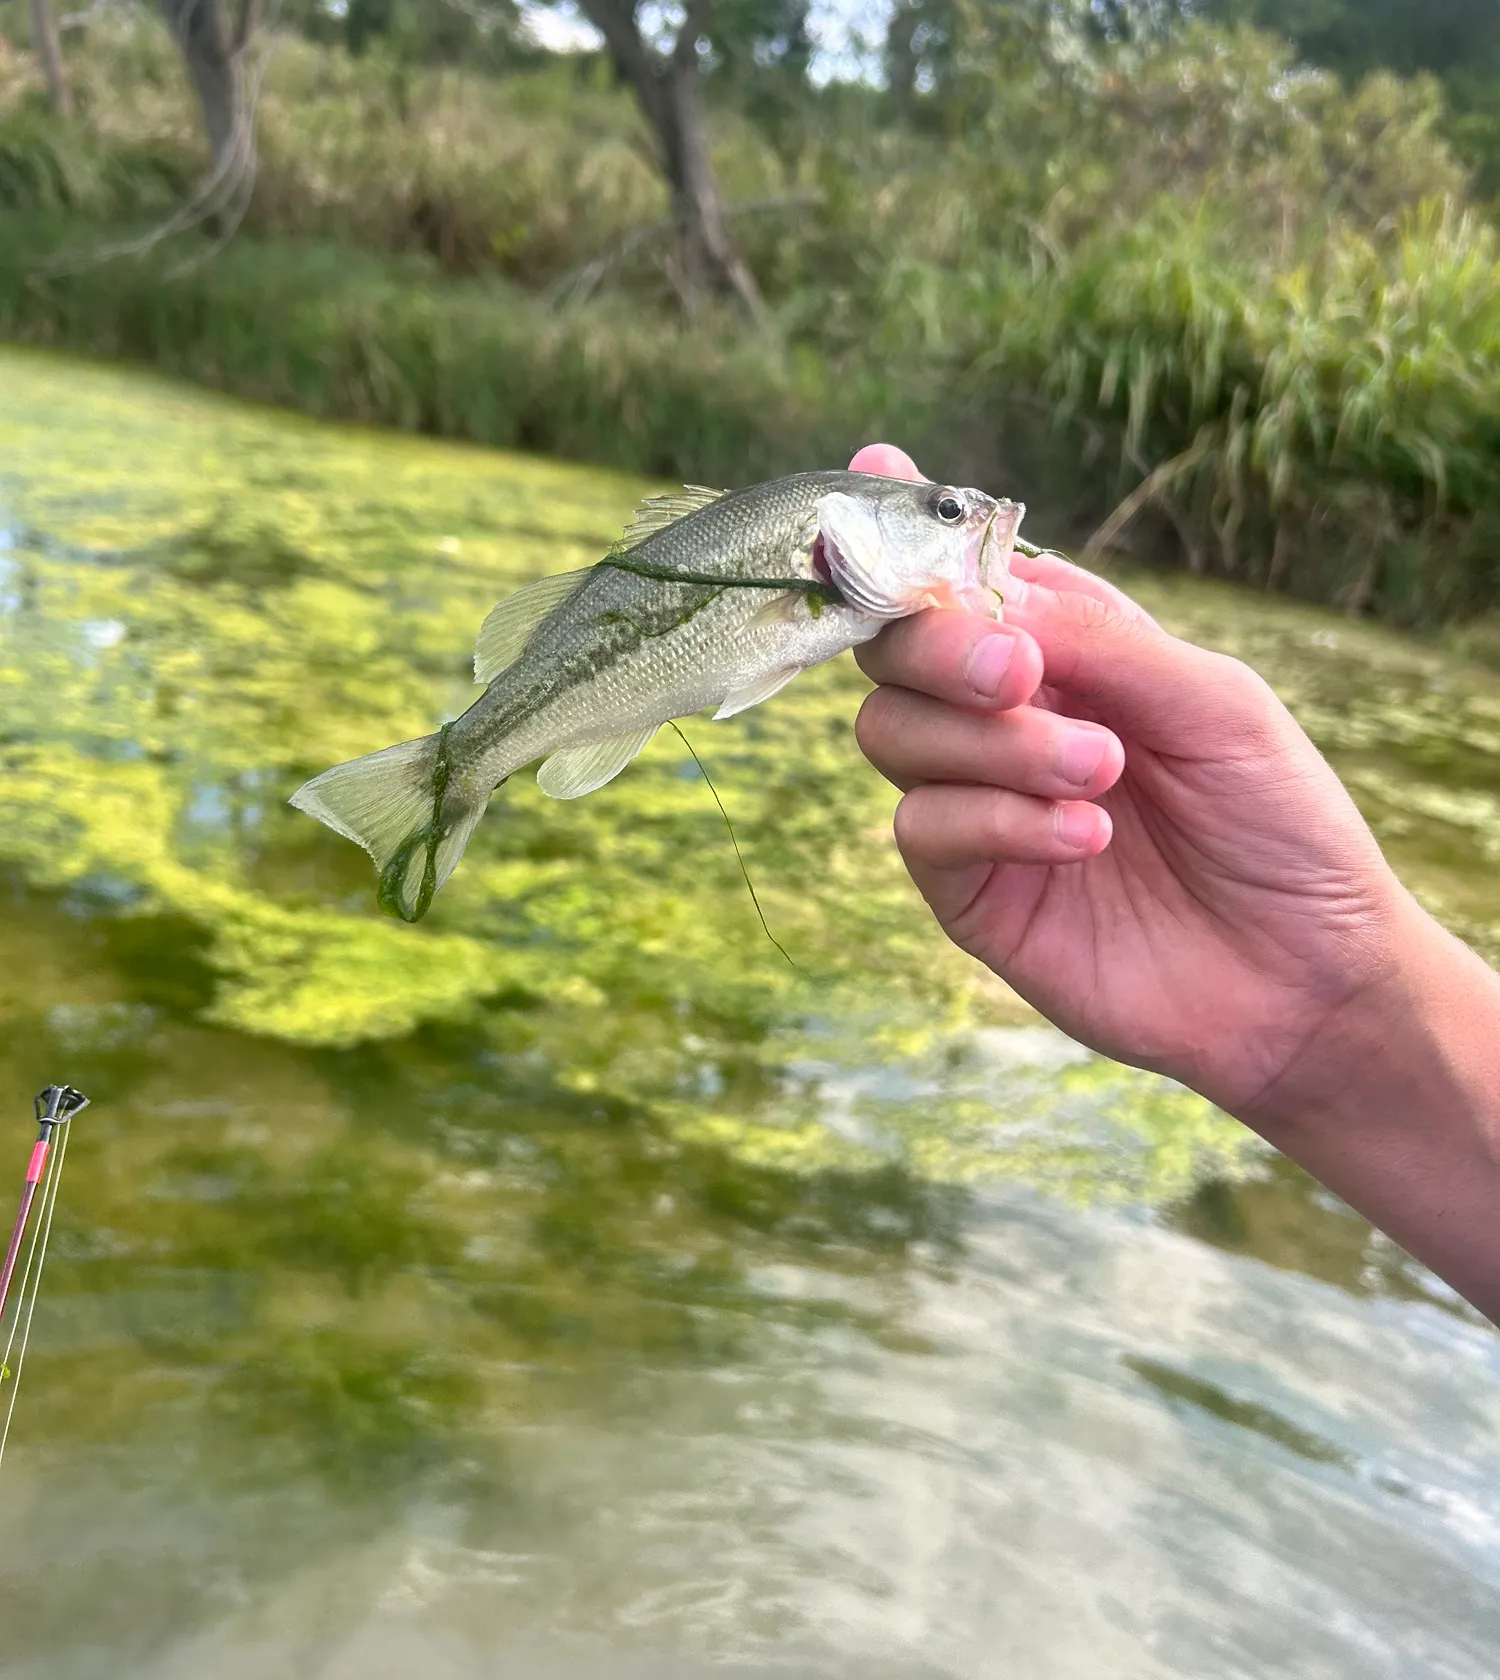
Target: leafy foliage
{"points": [[1065, 236]]}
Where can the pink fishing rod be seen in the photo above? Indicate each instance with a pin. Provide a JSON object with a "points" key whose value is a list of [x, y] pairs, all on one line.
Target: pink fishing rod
{"points": [[54, 1107]]}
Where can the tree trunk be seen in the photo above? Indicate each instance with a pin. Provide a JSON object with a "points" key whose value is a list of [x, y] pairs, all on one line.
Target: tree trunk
{"points": [[670, 95], [206, 40], [709, 257], [49, 50]]}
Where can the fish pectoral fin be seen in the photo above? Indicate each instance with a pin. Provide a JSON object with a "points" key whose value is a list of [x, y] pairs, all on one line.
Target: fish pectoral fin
{"points": [[505, 632], [657, 512], [742, 699], [575, 771], [780, 609]]}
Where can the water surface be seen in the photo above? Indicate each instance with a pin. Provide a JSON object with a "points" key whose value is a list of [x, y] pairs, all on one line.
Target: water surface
{"points": [[569, 1286]]}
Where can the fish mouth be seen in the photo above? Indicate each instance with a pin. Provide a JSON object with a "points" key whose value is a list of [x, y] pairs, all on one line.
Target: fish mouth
{"points": [[820, 567], [997, 546]]}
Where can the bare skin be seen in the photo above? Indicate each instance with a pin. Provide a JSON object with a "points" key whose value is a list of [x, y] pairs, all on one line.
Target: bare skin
{"points": [[1136, 835]]}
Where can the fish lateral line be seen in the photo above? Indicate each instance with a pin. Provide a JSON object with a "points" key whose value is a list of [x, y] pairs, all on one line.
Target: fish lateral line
{"points": [[812, 587], [684, 618]]}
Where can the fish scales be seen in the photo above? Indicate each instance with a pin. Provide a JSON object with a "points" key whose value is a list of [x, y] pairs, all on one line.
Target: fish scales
{"points": [[585, 670], [630, 643]]}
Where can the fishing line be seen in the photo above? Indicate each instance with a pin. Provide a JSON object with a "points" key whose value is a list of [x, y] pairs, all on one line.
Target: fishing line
{"points": [[739, 856], [26, 1301], [56, 1106]]}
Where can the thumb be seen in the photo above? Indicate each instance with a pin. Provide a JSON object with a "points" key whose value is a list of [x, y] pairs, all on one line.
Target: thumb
{"points": [[1104, 654]]}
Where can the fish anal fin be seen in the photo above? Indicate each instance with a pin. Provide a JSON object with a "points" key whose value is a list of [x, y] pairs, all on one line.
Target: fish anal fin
{"points": [[575, 771], [752, 693], [510, 625], [657, 512]]}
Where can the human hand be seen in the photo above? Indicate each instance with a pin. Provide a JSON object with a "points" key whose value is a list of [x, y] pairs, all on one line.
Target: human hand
{"points": [[1130, 830]]}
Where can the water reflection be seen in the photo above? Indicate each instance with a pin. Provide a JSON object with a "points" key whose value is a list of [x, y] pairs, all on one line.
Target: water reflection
{"points": [[571, 1282]]}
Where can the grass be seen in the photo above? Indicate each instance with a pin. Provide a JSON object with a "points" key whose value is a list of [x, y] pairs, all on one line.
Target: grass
{"points": [[310, 327]]}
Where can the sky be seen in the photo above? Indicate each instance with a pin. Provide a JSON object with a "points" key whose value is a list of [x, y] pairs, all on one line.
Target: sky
{"points": [[846, 33]]}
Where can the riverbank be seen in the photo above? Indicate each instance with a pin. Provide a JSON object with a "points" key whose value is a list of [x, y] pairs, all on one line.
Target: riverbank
{"points": [[339, 334], [1275, 347]]}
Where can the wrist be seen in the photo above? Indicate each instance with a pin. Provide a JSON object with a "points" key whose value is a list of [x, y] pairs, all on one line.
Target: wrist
{"points": [[1386, 1029], [1394, 1103]]}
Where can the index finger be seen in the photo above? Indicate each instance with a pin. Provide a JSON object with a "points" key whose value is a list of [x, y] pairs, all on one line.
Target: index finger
{"points": [[1053, 571], [888, 461]]}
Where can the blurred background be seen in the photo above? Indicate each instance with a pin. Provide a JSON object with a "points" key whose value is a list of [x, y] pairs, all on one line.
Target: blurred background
{"points": [[569, 1285]]}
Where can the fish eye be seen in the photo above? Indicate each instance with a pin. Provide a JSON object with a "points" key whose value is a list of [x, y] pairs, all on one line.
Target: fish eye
{"points": [[948, 507]]}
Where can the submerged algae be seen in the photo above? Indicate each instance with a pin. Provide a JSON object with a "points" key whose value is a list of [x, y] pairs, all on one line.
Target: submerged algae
{"points": [[202, 600]]}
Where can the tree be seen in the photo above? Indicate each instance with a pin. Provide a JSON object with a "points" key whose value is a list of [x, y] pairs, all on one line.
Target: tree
{"points": [[1456, 40], [762, 50], [213, 49], [668, 82], [49, 50], [919, 45], [1357, 36]]}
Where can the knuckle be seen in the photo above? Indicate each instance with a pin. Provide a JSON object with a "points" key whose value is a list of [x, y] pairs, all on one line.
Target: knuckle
{"points": [[909, 825], [1098, 616], [1251, 709], [1233, 680], [877, 718], [999, 825]]}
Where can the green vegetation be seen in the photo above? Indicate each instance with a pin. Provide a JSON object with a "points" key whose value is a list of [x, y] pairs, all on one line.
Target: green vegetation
{"points": [[364, 1187], [1145, 262]]}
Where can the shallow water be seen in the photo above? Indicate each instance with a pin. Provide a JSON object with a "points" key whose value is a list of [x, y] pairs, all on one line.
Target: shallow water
{"points": [[568, 1286]]}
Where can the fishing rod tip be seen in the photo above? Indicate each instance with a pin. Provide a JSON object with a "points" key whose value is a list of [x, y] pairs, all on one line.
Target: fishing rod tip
{"points": [[60, 1102]]}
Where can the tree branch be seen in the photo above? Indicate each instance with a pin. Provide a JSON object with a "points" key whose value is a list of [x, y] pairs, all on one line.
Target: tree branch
{"points": [[250, 16], [685, 47], [580, 283], [615, 21]]}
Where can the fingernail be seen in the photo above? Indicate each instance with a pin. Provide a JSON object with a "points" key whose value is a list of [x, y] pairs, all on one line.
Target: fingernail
{"points": [[1082, 753], [988, 664], [1076, 826]]}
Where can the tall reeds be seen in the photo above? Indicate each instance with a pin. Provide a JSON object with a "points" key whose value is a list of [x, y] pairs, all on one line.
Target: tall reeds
{"points": [[1331, 426]]}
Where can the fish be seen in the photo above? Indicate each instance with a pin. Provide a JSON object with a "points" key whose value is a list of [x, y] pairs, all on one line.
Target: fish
{"points": [[710, 598]]}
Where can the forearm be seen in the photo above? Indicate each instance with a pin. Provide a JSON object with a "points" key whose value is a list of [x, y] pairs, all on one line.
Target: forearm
{"points": [[1395, 1106]]}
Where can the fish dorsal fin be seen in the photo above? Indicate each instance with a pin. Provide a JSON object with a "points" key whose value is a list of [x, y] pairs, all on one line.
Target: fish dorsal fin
{"points": [[657, 512], [742, 699], [575, 771], [505, 632]]}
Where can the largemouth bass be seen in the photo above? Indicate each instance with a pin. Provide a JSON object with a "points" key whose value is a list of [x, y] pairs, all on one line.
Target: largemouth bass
{"points": [[711, 598]]}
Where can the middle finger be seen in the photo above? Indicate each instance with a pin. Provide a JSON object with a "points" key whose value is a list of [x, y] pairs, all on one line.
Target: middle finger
{"points": [[911, 738]]}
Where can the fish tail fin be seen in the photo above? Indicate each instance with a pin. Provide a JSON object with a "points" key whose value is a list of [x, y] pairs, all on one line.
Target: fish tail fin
{"points": [[407, 810]]}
